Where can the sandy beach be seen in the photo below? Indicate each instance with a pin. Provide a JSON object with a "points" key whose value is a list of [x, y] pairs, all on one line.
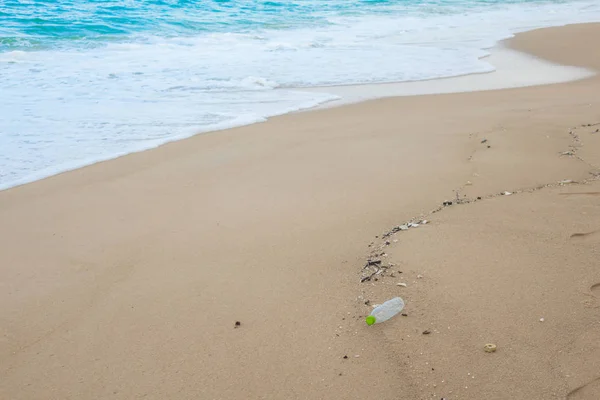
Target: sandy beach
{"points": [[125, 279]]}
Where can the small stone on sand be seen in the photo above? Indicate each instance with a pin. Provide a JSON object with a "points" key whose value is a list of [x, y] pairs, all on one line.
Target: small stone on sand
{"points": [[489, 348]]}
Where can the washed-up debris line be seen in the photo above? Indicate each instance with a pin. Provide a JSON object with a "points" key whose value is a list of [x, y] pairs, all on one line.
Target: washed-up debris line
{"points": [[404, 227], [375, 266]]}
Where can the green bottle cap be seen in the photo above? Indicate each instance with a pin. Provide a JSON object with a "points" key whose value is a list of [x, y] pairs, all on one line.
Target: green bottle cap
{"points": [[370, 320]]}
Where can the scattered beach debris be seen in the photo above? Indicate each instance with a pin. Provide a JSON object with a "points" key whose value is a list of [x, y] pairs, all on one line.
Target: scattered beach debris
{"points": [[401, 284], [371, 262], [489, 348], [237, 324], [385, 311], [404, 227], [375, 267], [484, 141], [426, 332]]}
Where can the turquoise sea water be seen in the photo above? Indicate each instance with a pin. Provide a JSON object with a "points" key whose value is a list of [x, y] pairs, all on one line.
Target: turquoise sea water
{"points": [[82, 81]]}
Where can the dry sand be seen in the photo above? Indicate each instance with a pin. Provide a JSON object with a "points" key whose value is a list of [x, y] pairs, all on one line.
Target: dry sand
{"points": [[124, 279]]}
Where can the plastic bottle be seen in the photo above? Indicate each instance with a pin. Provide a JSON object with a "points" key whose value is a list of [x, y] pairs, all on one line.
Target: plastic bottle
{"points": [[385, 311]]}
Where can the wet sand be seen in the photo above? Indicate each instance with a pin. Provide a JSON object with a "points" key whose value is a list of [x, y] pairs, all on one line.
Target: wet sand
{"points": [[125, 279]]}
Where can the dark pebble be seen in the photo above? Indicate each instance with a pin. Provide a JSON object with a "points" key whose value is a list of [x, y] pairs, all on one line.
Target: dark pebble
{"points": [[405, 315], [427, 332], [345, 357]]}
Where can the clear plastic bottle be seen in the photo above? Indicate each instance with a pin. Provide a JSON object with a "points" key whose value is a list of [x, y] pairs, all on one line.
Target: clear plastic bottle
{"points": [[385, 311]]}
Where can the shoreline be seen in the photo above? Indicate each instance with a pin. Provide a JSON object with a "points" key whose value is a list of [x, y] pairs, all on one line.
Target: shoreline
{"points": [[127, 279], [512, 69], [508, 65]]}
